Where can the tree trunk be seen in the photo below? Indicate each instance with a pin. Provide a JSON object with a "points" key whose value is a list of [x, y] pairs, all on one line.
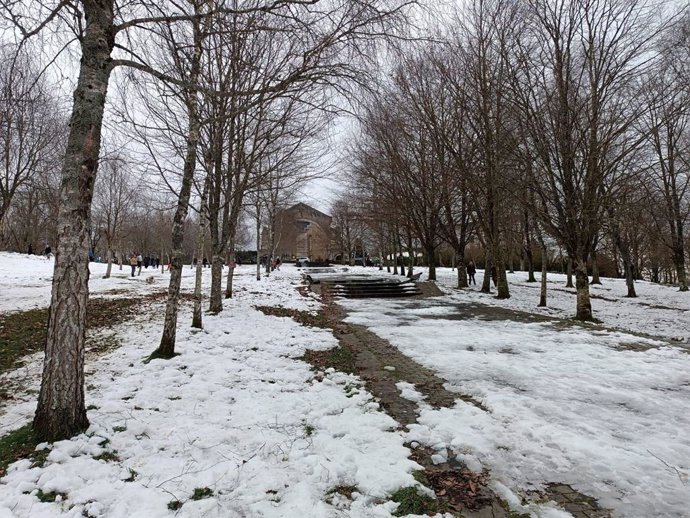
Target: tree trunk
{"points": [[679, 263], [258, 241], [410, 253], [197, 319], [231, 275], [486, 281], [430, 254], [231, 263], [544, 266], [216, 298], [166, 349], [60, 412], [502, 287], [569, 274], [462, 268], [584, 306], [629, 276], [542, 291], [595, 269], [109, 268], [528, 250]]}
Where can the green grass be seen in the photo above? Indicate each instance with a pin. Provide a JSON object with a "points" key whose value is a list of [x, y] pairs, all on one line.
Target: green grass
{"points": [[49, 497], [201, 493], [174, 505], [20, 444], [413, 501], [108, 456]]}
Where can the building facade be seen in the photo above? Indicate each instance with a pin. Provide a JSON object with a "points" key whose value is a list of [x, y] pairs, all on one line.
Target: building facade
{"points": [[300, 231]]}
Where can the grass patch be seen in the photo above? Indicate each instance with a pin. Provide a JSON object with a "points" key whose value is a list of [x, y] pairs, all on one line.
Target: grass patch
{"points": [[50, 496], [174, 505], [20, 444], [119, 429], [201, 493], [309, 430], [108, 456], [303, 317], [21, 333], [412, 501], [132, 475], [24, 332], [345, 490], [340, 358]]}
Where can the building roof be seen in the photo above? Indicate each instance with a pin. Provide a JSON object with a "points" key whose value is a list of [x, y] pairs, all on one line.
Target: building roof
{"points": [[300, 205]]}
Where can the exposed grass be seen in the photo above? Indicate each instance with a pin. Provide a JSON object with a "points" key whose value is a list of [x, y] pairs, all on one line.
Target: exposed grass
{"points": [[24, 332], [50, 496], [132, 475], [21, 333], [345, 489], [174, 505], [303, 317], [340, 358], [201, 493], [108, 456], [20, 444], [413, 501]]}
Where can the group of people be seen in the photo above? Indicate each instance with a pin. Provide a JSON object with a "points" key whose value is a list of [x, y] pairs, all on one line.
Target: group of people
{"points": [[136, 261]]}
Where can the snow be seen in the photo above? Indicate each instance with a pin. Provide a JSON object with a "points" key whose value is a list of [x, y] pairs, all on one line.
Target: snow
{"points": [[236, 411], [604, 408], [604, 411]]}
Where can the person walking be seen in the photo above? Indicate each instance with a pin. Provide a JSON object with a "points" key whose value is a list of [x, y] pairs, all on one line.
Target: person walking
{"points": [[471, 271], [140, 260], [133, 263]]}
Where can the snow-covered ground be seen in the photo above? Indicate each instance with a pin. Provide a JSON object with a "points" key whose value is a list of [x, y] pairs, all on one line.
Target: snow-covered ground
{"points": [[658, 310], [239, 413], [606, 412]]}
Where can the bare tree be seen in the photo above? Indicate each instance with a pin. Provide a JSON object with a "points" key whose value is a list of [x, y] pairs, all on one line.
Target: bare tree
{"points": [[666, 126], [30, 130], [574, 89]]}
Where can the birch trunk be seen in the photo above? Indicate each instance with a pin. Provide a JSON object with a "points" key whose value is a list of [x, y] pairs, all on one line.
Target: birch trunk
{"points": [[60, 412], [197, 318], [166, 349]]}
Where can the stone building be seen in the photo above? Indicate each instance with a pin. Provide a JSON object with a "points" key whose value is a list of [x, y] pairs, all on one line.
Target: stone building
{"points": [[300, 231]]}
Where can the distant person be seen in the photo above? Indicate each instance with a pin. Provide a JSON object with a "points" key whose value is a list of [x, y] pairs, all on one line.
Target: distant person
{"points": [[471, 271], [158, 262], [494, 275], [31, 249], [277, 266], [140, 261], [147, 261], [204, 262], [47, 252], [133, 263]]}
